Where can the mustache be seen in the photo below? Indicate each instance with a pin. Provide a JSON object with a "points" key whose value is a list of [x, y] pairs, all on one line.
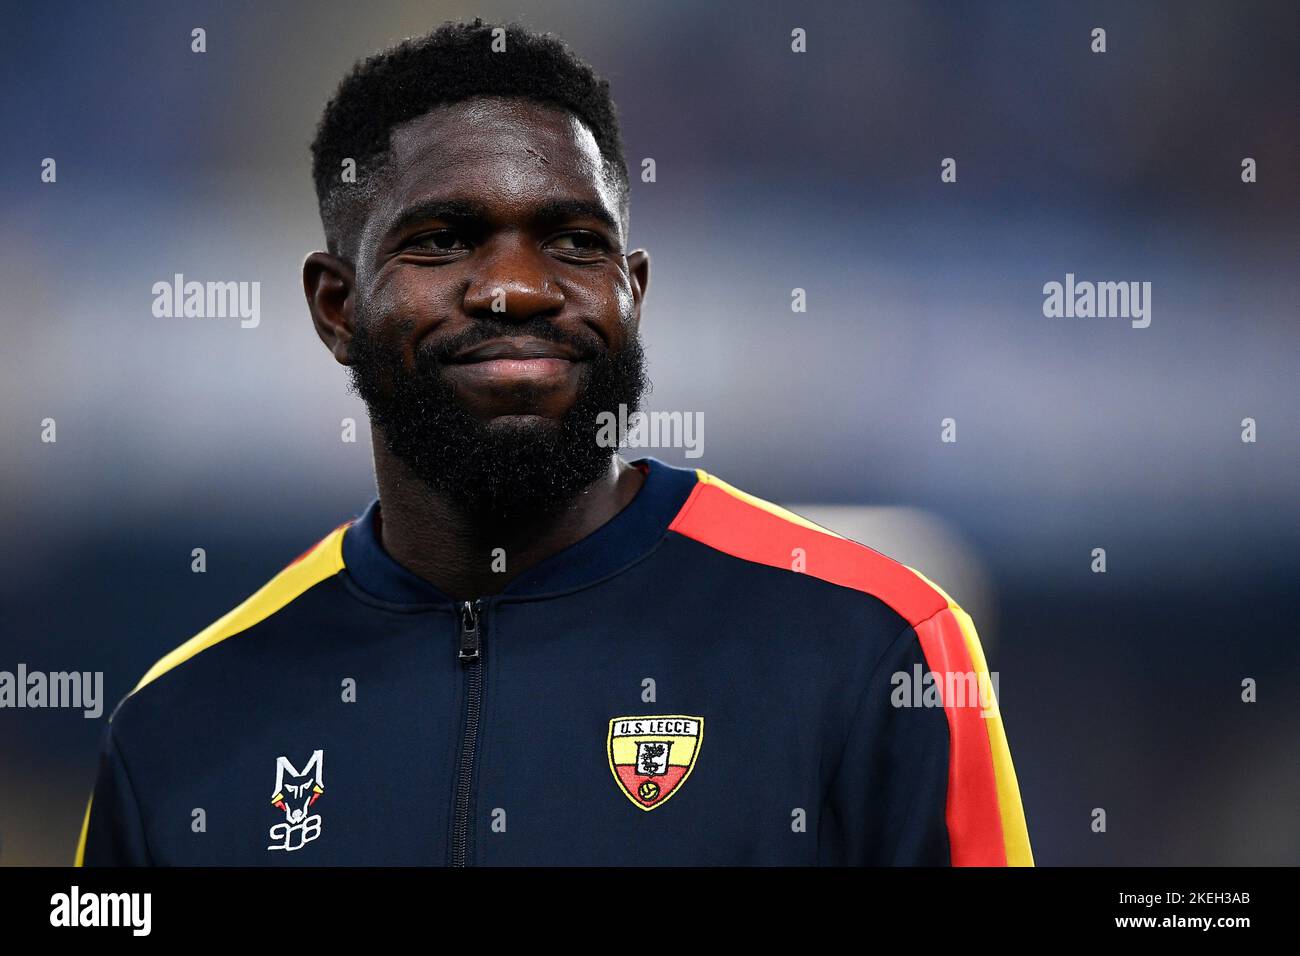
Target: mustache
{"points": [[443, 351]]}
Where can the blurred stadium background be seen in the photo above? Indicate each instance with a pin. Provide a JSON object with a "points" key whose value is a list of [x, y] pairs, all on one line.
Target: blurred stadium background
{"points": [[775, 171]]}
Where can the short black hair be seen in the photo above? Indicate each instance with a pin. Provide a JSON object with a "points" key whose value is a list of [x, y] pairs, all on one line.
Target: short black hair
{"points": [[454, 62]]}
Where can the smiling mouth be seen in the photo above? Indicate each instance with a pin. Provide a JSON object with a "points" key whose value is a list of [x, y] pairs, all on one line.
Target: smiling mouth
{"points": [[516, 350], [506, 361]]}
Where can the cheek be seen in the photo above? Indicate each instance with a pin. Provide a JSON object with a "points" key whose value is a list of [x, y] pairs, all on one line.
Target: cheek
{"points": [[626, 305], [406, 301], [608, 300]]}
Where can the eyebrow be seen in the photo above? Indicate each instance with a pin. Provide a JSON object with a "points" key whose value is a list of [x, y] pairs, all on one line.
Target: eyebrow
{"points": [[464, 211], [562, 210]]}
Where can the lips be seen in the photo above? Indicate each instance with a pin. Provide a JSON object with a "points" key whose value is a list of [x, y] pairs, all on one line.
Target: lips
{"points": [[504, 363], [515, 350]]}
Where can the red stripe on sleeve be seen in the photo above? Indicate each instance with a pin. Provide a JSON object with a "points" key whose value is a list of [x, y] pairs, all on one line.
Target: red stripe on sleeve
{"points": [[974, 819], [726, 523], [757, 531]]}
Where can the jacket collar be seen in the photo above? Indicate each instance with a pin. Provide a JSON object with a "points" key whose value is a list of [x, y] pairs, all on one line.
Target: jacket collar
{"points": [[629, 535]]}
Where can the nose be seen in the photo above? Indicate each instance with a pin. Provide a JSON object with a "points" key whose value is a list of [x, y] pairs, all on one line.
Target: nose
{"points": [[513, 283]]}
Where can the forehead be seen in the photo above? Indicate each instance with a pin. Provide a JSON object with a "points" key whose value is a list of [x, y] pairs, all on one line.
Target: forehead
{"points": [[498, 151]]}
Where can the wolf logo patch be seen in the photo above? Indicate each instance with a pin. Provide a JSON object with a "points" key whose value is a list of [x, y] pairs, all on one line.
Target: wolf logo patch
{"points": [[296, 792], [651, 757]]}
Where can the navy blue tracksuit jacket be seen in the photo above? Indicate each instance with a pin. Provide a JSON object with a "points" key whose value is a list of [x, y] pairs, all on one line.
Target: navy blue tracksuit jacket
{"points": [[707, 679]]}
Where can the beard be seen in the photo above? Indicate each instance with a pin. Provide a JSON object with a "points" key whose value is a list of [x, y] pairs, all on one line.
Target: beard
{"points": [[500, 471]]}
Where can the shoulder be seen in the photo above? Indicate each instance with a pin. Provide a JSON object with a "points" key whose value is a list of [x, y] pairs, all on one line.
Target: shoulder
{"points": [[737, 523], [318, 563]]}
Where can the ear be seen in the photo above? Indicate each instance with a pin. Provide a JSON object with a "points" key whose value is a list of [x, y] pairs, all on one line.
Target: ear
{"points": [[638, 273], [328, 282]]}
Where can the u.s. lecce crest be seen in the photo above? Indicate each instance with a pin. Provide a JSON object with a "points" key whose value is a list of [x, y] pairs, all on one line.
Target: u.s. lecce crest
{"points": [[651, 757]]}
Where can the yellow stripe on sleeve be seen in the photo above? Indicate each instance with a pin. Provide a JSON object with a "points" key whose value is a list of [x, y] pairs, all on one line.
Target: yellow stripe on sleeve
{"points": [[80, 859], [1015, 832], [707, 479], [323, 561]]}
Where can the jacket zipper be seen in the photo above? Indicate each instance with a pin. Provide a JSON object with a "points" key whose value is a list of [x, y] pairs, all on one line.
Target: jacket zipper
{"points": [[471, 658]]}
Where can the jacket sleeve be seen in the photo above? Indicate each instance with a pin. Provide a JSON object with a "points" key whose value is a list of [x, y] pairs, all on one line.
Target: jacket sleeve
{"points": [[112, 833], [886, 804], [926, 764]]}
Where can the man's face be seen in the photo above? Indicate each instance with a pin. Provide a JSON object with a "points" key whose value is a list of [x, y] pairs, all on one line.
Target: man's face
{"points": [[495, 314]]}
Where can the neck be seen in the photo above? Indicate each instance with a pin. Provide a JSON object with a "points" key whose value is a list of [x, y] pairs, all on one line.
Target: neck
{"points": [[465, 556]]}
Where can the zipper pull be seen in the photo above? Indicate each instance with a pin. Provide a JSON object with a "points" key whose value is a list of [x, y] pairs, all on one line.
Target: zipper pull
{"points": [[469, 632]]}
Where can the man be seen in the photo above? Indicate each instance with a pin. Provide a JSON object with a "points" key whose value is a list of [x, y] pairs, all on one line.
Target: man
{"points": [[529, 650]]}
